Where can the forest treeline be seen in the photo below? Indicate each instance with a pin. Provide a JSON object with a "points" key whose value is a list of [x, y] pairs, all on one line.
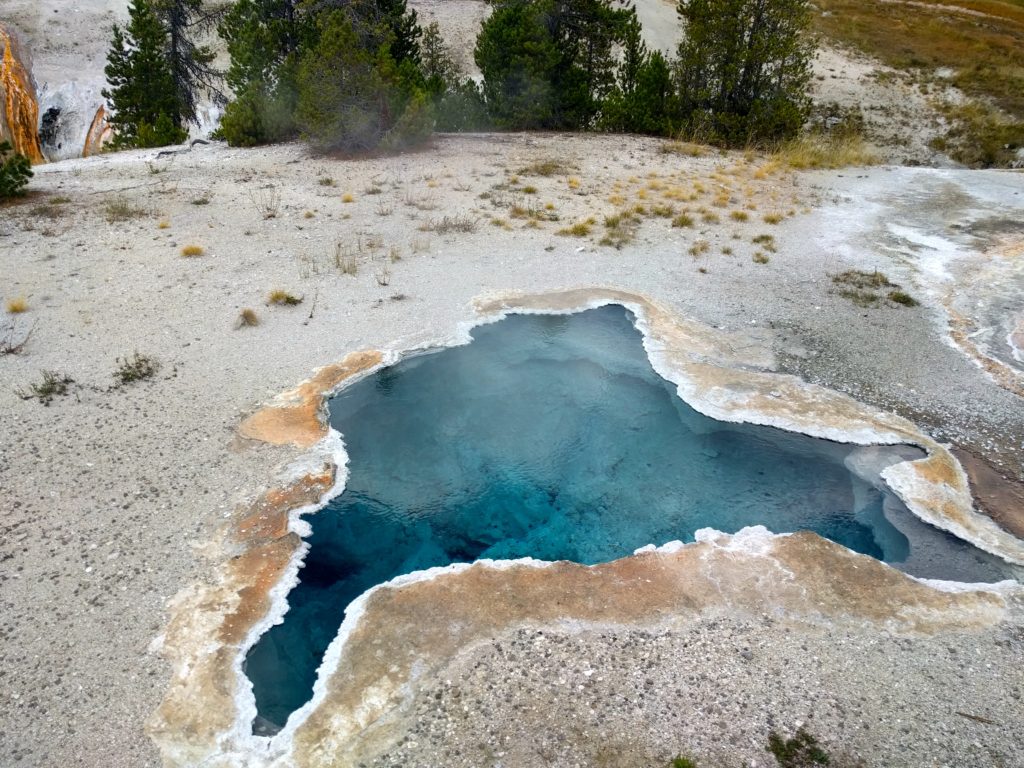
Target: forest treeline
{"points": [[359, 75]]}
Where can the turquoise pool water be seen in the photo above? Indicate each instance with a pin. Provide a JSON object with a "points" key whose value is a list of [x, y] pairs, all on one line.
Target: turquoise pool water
{"points": [[552, 437]]}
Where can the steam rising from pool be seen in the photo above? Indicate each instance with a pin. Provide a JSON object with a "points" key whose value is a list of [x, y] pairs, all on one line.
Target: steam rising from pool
{"points": [[551, 436]]}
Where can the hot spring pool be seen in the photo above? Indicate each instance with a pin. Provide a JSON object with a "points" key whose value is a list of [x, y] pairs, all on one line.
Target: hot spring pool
{"points": [[552, 437]]}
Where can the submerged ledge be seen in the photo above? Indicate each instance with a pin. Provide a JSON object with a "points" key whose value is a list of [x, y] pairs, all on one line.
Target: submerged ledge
{"points": [[206, 714]]}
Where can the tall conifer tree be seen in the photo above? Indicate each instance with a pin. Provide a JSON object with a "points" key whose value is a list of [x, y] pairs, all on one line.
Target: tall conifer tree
{"points": [[191, 64], [147, 111]]}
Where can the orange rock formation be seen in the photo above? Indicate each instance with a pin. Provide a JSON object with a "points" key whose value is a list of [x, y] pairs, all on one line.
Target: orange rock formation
{"points": [[99, 133], [19, 109]]}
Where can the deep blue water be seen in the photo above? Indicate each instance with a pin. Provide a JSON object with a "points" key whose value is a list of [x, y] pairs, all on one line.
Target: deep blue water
{"points": [[552, 437]]}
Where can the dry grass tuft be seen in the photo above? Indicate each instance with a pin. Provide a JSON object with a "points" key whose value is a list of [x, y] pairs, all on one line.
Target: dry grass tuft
{"points": [[460, 222], [579, 229], [17, 305], [685, 148], [247, 318], [348, 197], [820, 151], [120, 209], [620, 228], [282, 298], [163, 224], [547, 167], [193, 250]]}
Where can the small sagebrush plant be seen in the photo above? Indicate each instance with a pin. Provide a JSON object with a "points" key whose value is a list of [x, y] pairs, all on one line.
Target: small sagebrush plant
{"points": [[15, 171], [800, 751], [135, 368], [282, 298], [53, 385], [121, 209]]}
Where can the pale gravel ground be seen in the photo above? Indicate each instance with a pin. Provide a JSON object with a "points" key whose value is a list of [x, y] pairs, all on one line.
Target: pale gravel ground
{"points": [[714, 689], [108, 494]]}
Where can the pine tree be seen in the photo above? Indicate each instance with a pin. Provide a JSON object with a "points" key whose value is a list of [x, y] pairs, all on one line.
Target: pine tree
{"points": [[549, 63], [191, 65], [643, 99], [141, 91], [264, 38], [354, 95], [745, 68]]}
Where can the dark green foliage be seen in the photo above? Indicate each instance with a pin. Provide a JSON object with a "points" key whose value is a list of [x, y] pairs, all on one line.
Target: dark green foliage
{"points": [[461, 109], [135, 368], [354, 95], [518, 57], [259, 115], [744, 69], [190, 64], [263, 38], [53, 385], [15, 171], [683, 762], [345, 74], [549, 64], [902, 297], [440, 72], [147, 111], [644, 98], [458, 104], [801, 751]]}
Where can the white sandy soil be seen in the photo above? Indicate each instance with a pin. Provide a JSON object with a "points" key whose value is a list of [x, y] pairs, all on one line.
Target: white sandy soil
{"points": [[110, 493]]}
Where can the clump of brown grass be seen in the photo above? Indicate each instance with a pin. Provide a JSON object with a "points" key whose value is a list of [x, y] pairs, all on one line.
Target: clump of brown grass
{"points": [[348, 197], [766, 241], [163, 224], [281, 298], [772, 218], [17, 305], [685, 148], [699, 248], [247, 318], [827, 152], [739, 215], [620, 228], [460, 222], [579, 229], [546, 167], [192, 250]]}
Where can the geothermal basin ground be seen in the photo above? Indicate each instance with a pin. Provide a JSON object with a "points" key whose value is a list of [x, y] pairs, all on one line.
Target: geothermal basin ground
{"points": [[117, 495]]}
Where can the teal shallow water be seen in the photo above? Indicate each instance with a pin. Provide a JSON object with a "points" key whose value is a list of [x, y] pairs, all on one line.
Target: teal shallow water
{"points": [[552, 437]]}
